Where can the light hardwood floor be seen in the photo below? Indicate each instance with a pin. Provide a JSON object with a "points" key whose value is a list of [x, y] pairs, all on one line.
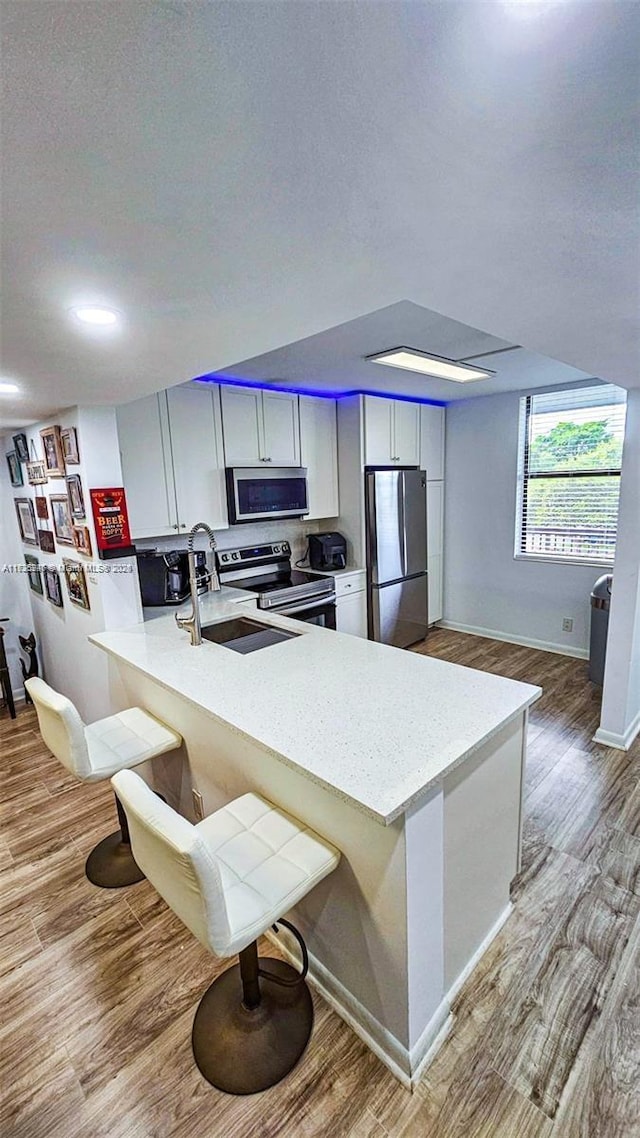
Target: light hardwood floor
{"points": [[98, 988]]}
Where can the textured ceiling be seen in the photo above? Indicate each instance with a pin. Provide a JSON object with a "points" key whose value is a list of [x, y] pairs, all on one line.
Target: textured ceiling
{"points": [[234, 177]]}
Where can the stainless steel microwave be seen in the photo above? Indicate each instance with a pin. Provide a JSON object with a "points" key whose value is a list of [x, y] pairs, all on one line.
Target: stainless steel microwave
{"points": [[255, 494]]}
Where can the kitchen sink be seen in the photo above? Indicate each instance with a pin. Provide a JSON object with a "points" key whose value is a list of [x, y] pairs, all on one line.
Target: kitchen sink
{"points": [[244, 635]]}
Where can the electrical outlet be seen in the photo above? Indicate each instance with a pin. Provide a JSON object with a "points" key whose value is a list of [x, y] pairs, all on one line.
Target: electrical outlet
{"points": [[567, 624], [198, 804]]}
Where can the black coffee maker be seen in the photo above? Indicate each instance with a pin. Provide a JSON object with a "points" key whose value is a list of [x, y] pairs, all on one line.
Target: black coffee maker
{"points": [[327, 550], [164, 577]]}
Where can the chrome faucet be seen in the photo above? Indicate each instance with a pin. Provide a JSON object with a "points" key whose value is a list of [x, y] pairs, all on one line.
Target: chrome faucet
{"points": [[192, 622]]}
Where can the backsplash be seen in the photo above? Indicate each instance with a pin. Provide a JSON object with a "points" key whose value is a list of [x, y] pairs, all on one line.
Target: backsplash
{"points": [[259, 534]]}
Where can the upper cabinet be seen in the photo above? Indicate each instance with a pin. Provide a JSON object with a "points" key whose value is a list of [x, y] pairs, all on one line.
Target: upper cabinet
{"points": [[319, 454], [172, 461], [195, 423], [432, 441], [391, 432], [260, 426]]}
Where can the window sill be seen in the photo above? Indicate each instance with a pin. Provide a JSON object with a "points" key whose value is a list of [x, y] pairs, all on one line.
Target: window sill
{"points": [[540, 557]]}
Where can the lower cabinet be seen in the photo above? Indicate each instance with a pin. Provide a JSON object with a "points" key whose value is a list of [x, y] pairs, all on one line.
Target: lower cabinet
{"points": [[351, 603]]}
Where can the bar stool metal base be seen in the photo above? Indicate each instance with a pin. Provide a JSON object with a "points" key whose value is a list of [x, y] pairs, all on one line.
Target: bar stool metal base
{"points": [[111, 864], [243, 1051]]}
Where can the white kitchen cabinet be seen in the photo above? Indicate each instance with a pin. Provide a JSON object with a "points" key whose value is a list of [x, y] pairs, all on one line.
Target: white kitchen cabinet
{"points": [[351, 603], [319, 454], [172, 461], [145, 453], [432, 461], [435, 540], [195, 425], [391, 432], [432, 442], [260, 426], [435, 590]]}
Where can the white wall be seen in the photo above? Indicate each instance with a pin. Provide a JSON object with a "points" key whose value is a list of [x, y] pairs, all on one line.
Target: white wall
{"points": [[485, 588], [69, 663], [620, 720]]}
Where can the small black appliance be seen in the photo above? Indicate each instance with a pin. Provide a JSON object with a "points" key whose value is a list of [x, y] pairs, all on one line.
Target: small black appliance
{"points": [[164, 577], [327, 550]]}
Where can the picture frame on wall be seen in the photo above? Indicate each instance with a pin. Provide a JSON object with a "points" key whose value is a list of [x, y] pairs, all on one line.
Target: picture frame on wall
{"points": [[69, 439], [53, 586], [36, 472], [61, 518], [42, 509], [76, 583], [15, 470], [22, 447], [82, 540], [26, 520], [34, 574], [53, 453], [46, 541], [76, 497]]}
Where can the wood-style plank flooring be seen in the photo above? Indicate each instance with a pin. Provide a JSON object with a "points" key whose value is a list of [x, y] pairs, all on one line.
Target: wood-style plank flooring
{"points": [[98, 988]]}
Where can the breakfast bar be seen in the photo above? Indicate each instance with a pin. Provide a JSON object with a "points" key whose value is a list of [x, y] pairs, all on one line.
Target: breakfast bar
{"points": [[412, 767]]}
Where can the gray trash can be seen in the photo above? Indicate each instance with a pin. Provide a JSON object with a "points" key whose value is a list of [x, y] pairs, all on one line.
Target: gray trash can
{"points": [[600, 605]]}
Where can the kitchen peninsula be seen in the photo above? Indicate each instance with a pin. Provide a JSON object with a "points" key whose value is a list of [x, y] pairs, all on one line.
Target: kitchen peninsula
{"points": [[411, 766]]}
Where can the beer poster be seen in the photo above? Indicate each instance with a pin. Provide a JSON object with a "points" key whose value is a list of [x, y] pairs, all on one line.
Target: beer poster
{"points": [[112, 522]]}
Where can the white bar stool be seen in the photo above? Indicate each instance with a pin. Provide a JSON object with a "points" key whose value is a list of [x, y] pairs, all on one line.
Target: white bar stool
{"points": [[229, 878], [96, 752]]}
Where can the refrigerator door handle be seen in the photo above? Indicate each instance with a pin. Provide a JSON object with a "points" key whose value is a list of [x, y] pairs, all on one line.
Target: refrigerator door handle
{"points": [[372, 560], [403, 522]]}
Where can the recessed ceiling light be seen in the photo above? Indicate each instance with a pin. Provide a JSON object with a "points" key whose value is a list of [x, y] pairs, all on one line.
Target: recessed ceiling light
{"points": [[8, 388], [412, 360], [97, 316]]}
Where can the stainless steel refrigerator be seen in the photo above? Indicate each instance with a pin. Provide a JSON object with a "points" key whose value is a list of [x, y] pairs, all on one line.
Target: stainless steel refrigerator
{"points": [[396, 539]]}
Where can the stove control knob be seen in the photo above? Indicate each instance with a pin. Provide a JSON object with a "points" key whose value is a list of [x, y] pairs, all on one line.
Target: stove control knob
{"points": [[276, 549], [235, 556]]}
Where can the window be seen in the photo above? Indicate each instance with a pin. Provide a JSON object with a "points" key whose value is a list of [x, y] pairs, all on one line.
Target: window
{"points": [[569, 474]]}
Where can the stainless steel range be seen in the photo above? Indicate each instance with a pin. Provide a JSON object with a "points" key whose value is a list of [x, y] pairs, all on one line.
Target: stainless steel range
{"points": [[266, 570]]}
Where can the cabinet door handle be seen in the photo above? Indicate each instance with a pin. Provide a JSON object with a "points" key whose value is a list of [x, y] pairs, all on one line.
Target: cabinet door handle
{"points": [[174, 527]]}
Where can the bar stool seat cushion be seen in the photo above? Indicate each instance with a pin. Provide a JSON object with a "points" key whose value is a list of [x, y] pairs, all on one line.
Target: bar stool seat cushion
{"points": [[230, 876], [97, 750], [125, 740], [268, 861]]}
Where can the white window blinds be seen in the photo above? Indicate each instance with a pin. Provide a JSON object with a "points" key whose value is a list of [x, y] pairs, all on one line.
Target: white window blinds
{"points": [[569, 473]]}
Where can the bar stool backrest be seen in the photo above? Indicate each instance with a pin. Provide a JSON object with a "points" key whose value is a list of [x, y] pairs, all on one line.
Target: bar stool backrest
{"points": [[177, 862], [61, 727]]}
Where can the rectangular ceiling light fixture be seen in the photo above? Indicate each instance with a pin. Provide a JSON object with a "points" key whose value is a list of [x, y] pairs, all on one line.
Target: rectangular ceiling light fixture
{"points": [[412, 360]]}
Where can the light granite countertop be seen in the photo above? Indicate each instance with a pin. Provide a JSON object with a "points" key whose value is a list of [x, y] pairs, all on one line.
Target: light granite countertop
{"points": [[376, 725]]}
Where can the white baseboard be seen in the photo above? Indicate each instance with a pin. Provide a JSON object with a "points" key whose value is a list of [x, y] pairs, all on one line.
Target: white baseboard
{"points": [[405, 1064], [509, 638], [620, 742], [383, 1044]]}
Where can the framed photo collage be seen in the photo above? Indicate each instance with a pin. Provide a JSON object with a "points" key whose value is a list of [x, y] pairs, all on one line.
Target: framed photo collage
{"points": [[54, 520]]}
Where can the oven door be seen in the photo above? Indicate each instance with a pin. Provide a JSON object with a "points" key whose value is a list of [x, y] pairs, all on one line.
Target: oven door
{"points": [[321, 611]]}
